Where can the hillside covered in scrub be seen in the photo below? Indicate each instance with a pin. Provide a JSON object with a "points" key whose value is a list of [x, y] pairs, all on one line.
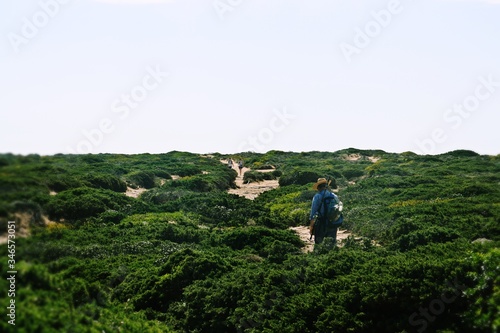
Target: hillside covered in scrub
{"points": [[156, 243]]}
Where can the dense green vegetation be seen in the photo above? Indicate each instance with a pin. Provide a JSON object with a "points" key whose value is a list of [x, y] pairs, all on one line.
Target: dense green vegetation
{"points": [[186, 256]]}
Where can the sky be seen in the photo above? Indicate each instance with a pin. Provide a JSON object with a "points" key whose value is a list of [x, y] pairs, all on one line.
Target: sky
{"points": [[204, 76]]}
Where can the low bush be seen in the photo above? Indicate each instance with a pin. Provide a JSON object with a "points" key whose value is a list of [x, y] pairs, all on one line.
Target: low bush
{"points": [[145, 179], [159, 196], [256, 176], [84, 202], [253, 176], [104, 181], [433, 234], [257, 238], [59, 184], [181, 269], [299, 178], [352, 173]]}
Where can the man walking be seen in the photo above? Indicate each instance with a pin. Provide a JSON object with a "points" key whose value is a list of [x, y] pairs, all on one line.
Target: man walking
{"points": [[318, 225]]}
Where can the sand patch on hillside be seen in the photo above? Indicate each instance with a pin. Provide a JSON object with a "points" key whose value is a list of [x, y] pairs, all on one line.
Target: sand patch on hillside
{"points": [[304, 235], [24, 221], [253, 190], [134, 192], [357, 157], [250, 190], [352, 157]]}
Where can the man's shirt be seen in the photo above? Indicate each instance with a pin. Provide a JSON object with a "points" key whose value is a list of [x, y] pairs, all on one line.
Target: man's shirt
{"points": [[316, 203]]}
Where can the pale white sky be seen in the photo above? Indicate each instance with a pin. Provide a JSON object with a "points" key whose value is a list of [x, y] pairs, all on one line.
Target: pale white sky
{"points": [[130, 76]]}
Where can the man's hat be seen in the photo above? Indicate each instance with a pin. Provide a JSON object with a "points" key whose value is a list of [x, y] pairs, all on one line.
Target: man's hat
{"points": [[319, 182]]}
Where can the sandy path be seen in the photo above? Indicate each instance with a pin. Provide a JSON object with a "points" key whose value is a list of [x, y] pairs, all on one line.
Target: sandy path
{"points": [[253, 190], [304, 235], [134, 192], [250, 190]]}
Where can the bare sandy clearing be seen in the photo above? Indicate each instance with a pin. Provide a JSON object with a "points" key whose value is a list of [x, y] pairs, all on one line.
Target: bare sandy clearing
{"points": [[353, 157], [304, 235], [357, 157], [250, 190], [253, 190], [134, 192]]}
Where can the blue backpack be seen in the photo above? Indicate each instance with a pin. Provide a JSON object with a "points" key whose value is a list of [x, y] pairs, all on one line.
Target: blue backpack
{"points": [[331, 208]]}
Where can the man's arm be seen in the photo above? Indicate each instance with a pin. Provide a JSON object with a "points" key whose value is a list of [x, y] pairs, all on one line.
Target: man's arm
{"points": [[311, 226], [314, 210]]}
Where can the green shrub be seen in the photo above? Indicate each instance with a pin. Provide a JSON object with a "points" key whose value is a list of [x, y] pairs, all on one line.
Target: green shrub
{"points": [[145, 179], [258, 238], [484, 296], [276, 173], [299, 178], [79, 292], [216, 181], [461, 153], [256, 176], [7, 159], [104, 181], [253, 176], [159, 196], [162, 173], [37, 276], [186, 170], [92, 159], [433, 234], [278, 251], [352, 173], [85, 202], [61, 183], [217, 208], [181, 269], [112, 216]]}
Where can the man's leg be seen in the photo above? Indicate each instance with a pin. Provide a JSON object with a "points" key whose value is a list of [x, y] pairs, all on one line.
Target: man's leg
{"points": [[333, 234], [319, 235]]}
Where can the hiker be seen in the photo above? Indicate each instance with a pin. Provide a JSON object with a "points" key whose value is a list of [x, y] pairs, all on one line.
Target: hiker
{"points": [[230, 163], [240, 166], [318, 223]]}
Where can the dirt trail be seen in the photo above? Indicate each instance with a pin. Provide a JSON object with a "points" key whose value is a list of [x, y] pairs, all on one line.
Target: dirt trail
{"points": [[134, 192], [304, 235], [253, 190], [250, 190]]}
